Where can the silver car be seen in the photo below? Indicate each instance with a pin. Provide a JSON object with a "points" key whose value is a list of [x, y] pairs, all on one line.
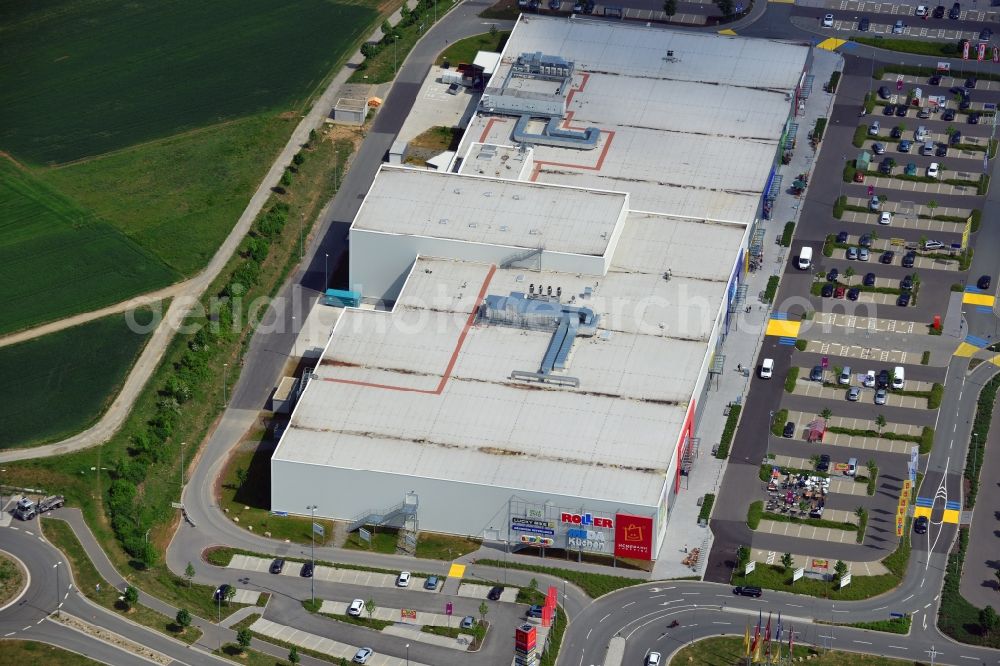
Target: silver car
{"points": [[852, 253], [863, 254], [880, 396], [854, 394]]}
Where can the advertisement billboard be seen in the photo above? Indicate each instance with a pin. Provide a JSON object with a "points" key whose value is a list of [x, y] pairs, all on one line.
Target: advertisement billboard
{"points": [[633, 536], [532, 525]]}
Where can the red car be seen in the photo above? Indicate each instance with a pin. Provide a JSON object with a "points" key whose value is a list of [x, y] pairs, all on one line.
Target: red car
{"points": [[839, 292]]}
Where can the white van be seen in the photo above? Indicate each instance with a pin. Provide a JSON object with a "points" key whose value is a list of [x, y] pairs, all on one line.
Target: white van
{"points": [[767, 368], [852, 467], [805, 258], [898, 377]]}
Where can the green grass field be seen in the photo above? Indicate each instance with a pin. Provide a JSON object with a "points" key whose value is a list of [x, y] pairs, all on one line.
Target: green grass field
{"points": [[57, 259], [85, 78], [31, 652], [60, 383], [178, 197]]}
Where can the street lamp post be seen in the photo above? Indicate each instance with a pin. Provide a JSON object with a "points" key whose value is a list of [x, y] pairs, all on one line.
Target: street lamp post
{"points": [[407, 654], [3, 506], [394, 37], [225, 382], [58, 604], [326, 270], [312, 531]]}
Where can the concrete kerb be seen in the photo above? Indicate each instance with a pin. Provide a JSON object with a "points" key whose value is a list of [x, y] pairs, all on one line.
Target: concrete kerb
{"points": [[27, 582]]}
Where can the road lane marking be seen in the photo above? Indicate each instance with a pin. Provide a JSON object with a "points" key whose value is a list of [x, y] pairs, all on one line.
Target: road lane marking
{"points": [[841, 611], [628, 604], [10, 634], [587, 637], [965, 657], [863, 642], [897, 647], [908, 598], [604, 618], [926, 606], [690, 593], [715, 622], [26, 628], [881, 608], [799, 606], [29, 532]]}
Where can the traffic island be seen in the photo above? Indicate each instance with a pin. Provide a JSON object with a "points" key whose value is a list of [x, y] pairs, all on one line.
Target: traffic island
{"points": [[13, 579]]}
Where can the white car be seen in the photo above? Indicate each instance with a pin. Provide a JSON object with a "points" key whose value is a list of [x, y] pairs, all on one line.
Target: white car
{"points": [[932, 170], [652, 659], [885, 217], [921, 11], [869, 380], [767, 368], [363, 655], [403, 579], [827, 23], [356, 607], [933, 245]]}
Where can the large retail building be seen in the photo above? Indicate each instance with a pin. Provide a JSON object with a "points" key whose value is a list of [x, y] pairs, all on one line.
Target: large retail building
{"points": [[541, 320]]}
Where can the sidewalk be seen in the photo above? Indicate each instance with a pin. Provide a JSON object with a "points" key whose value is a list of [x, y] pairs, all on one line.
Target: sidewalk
{"points": [[741, 347]]}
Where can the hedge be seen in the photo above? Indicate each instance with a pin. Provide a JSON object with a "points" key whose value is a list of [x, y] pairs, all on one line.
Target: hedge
{"points": [[754, 513], [925, 359], [859, 432], [801, 344], [778, 424], [771, 289], [814, 522], [820, 127], [791, 378], [862, 525], [897, 625], [934, 399], [727, 433], [980, 430], [786, 234], [860, 134], [926, 440], [706, 507], [834, 82], [838, 206]]}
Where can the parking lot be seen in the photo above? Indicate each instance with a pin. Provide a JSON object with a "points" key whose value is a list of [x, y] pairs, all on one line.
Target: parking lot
{"points": [[862, 352], [333, 574], [901, 221]]}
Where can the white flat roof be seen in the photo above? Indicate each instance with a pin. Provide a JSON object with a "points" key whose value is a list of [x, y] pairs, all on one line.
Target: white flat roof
{"points": [[488, 210], [421, 391], [694, 133]]}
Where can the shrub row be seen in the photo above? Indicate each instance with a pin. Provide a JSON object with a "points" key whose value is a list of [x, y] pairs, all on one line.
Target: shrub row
{"points": [[771, 289], [791, 378], [980, 430], [778, 423], [706, 507], [786, 234], [727, 433]]}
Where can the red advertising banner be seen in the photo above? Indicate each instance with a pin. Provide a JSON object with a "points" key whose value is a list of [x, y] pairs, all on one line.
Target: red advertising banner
{"points": [[547, 616], [408, 614], [965, 50], [981, 52], [633, 537], [525, 637]]}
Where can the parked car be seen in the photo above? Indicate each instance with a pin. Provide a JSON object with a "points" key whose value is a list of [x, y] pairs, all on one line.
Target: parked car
{"points": [[941, 150], [277, 566], [898, 27], [869, 380], [454, 88], [924, 113], [883, 92], [889, 109], [307, 570], [874, 203], [965, 104], [554, 5], [938, 12], [909, 259], [949, 114], [887, 257], [863, 254], [864, 24], [832, 275], [839, 291], [494, 593], [222, 592], [842, 237], [885, 166], [403, 579], [816, 374], [431, 583], [824, 463], [905, 145], [363, 655], [826, 291], [852, 253], [789, 430], [910, 169], [865, 240], [970, 82], [955, 11], [874, 128], [973, 118], [901, 110], [984, 282], [933, 245], [355, 608], [653, 659], [985, 34], [534, 611], [878, 148], [933, 170], [906, 284], [869, 280], [903, 300], [896, 133], [854, 394], [747, 591], [845, 375], [853, 293], [885, 217], [920, 525], [468, 622], [880, 396], [828, 21]]}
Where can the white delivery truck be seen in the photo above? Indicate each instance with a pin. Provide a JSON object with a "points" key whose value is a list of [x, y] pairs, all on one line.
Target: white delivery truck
{"points": [[805, 258]]}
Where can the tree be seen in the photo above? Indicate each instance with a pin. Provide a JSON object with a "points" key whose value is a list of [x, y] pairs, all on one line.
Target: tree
{"points": [[742, 555], [386, 28], [370, 607], [189, 573], [872, 468], [669, 7], [533, 584], [880, 422], [243, 637], [493, 30], [131, 596], [483, 610], [989, 620], [826, 413], [787, 561], [996, 574], [241, 476], [849, 272], [293, 656], [727, 7], [183, 619], [230, 594], [840, 568]]}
